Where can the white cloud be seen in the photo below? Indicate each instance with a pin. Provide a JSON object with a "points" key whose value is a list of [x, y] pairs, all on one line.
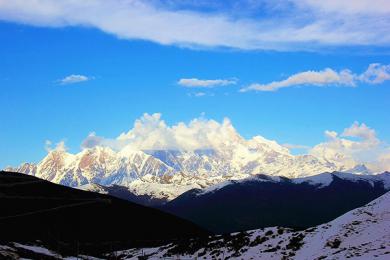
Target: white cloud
{"points": [[48, 145], [302, 24], [150, 132], [375, 74], [71, 79], [348, 151], [383, 162], [349, 7], [93, 140], [362, 131], [60, 146], [205, 83], [314, 78]]}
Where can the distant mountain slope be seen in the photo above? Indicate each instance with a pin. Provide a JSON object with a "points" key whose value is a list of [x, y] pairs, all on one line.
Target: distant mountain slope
{"points": [[363, 233], [62, 217], [264, 201]]}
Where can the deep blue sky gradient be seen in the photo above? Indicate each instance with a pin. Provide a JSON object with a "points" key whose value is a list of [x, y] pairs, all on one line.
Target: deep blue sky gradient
{"points": [[134, 77]]}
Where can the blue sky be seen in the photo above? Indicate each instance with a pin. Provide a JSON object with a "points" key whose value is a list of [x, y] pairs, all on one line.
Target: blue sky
{"points": [[132, 75]]}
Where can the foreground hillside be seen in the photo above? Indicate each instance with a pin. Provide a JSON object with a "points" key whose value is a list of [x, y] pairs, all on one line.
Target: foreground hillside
{"points": [[265, 201], [70, 219], [363, 233]]}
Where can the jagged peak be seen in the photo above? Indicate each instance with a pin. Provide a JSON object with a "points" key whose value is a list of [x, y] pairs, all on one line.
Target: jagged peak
{"points": [[58, 156]]}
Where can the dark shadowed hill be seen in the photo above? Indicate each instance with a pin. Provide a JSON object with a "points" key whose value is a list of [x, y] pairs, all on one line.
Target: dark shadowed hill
{"points": [[71, 219], [263, 201]]}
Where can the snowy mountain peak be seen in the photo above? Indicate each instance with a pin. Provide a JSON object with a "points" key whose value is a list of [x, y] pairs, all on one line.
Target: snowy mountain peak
{"points": [[260, 143]]}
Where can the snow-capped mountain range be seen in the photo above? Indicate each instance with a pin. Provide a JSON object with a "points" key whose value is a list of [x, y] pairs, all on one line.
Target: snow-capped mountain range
{"points": [[168, 173]]}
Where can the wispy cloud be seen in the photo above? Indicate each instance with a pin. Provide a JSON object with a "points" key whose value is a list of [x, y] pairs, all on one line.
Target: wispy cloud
{"points": [[205, 83], [375, 74], [314, 78], [275, 25], [58, 146], [71, 79], [199, 94]]}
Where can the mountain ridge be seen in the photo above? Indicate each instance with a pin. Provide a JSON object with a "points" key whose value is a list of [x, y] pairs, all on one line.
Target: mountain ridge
{"points": [[165, 174], [263, 201]]}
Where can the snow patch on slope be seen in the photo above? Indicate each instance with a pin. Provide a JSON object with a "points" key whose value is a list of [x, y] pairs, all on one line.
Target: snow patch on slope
{"points": [[93, 187], [323, 179], [37, 249]]}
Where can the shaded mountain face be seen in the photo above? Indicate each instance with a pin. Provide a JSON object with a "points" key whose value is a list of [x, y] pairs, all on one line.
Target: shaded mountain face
{"points": [[363, 233], [165, 174], [65, 218], [264, 201]]}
